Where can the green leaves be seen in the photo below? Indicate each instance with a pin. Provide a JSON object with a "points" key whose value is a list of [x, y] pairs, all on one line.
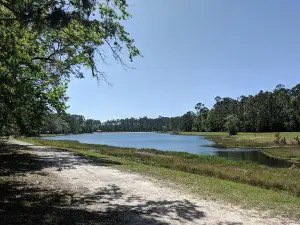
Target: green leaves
{"points": [[231, 124], [45, 43]]}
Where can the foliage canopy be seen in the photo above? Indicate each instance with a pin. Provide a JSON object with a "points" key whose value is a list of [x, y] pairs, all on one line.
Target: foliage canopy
{"points": [[47, 42]]}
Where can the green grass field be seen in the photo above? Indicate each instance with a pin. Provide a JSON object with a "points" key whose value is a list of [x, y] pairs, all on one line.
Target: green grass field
{"points": [[208, 177]]}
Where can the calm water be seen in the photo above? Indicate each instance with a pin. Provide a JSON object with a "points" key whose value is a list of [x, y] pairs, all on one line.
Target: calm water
{"points": [[166, 142]]}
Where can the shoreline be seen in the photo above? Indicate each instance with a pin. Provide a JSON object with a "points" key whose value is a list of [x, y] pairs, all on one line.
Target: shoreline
{"points": [[94, 168], [197, 164], [222, 141], [241, 183]]}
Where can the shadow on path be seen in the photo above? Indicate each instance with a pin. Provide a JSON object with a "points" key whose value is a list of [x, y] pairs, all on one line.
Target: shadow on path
{"points": [[23, 202], [13, 160]]}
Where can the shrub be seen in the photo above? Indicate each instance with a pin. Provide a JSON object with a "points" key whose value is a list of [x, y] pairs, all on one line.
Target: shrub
{"points": [[297, 139], [283, 141], [277, 138]]}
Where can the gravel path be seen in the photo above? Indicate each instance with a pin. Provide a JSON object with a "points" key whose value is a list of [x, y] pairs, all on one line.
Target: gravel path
{"points": [[126, 198]]}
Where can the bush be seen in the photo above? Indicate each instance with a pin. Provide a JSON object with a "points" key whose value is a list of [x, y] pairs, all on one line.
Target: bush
{"points": [[283, 141], [3, 140], [277, 138], [297, 139]]}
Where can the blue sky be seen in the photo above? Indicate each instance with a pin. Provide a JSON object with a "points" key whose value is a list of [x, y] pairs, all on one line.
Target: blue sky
{"points": [[194, 51]]}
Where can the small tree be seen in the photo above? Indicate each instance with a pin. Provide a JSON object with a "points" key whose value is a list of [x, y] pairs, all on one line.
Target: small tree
{"points": [[231, 124], [297, 139], [277, 138]]}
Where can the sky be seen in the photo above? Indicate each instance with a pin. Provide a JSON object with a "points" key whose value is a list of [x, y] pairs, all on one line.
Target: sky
{"points": [[193, 51]]}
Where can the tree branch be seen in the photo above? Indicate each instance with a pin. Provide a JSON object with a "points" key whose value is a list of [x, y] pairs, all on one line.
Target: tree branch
{"points": [[48, 58], [6, 5]]}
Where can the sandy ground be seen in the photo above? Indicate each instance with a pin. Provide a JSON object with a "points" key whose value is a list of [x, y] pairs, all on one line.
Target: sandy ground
{"points": [[126, 198]]}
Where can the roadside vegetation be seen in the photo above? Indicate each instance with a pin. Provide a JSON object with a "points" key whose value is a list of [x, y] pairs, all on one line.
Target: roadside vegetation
{"points": [[278, 179]]}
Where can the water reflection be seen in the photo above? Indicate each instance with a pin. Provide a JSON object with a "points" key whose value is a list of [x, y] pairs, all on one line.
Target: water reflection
{"points": [[254, 156]]}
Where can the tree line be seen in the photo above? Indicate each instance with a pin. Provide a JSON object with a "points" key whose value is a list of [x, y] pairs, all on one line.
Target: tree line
{"points": [[278, 110], [66, 124]]}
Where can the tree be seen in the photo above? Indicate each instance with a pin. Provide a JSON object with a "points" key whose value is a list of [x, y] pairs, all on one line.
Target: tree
{"points": [[187, 121], [76, 123], [265, 111], [142, 124], [91, 125], [174, 123], [212, 121], [45, 43], [201, 116], [55, 124], [231, 124]]}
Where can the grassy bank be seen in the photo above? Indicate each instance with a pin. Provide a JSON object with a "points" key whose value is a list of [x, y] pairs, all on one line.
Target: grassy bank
{"points": [[265, 141], [237, 171], [246, 196], [288, 153], [251, 140], [51, 135], [206, 187]]}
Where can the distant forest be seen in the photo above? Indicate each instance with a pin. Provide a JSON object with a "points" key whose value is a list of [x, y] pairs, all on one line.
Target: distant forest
{"points": [[278, 110]]}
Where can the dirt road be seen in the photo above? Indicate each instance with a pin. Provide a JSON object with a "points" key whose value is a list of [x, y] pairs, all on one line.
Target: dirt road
{"points": [[90, 193]]}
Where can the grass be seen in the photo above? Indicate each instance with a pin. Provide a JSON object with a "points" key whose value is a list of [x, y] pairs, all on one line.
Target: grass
{"points": [[245, 139], [259, 138], [264, 141], [51, 135], [279, 203], [206, 187], [238, 171], [284, 153]]}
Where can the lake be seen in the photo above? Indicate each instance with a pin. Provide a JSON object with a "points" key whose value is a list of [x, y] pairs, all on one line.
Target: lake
{"points": [[166, 142]]}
